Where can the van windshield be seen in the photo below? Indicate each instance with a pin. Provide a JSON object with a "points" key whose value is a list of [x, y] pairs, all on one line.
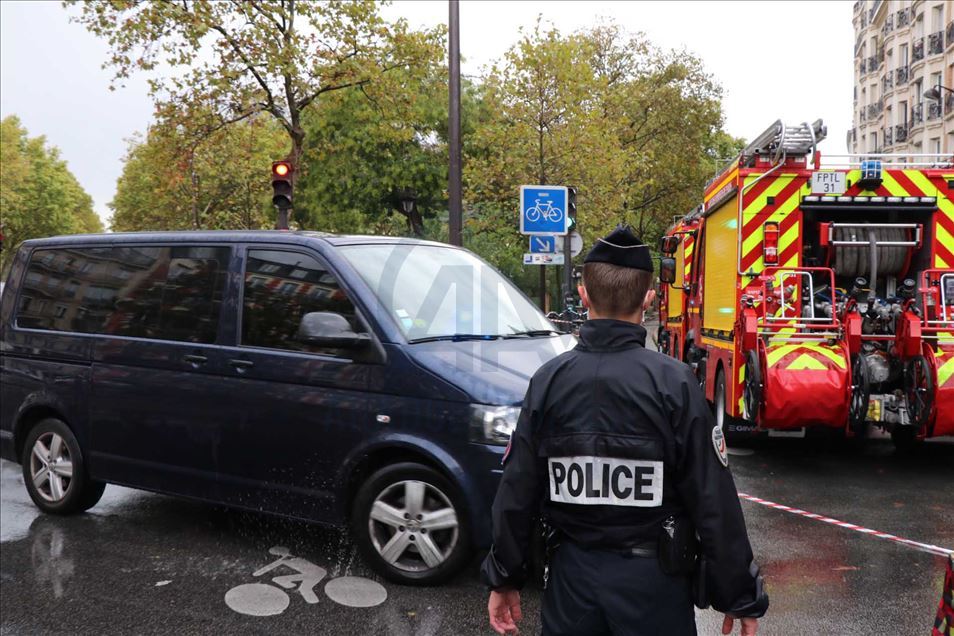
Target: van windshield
{"points": [[435, 293]]}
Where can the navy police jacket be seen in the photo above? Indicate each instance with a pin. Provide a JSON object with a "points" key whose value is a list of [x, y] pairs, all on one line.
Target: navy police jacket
{"points": [[612, 440]]}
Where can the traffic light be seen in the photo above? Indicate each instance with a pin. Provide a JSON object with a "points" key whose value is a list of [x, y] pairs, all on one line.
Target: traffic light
{"points": [[282, 184], [571, 206]]}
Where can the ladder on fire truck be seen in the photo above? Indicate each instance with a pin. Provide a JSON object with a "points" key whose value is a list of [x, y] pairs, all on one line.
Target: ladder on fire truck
{"points": [[779, 141]]}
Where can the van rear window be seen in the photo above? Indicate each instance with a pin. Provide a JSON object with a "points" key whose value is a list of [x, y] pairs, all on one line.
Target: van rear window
{"points": [[159, 292]]}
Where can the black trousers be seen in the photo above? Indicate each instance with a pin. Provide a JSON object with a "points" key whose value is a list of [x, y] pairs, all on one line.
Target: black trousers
{"points": [[594, 592]]}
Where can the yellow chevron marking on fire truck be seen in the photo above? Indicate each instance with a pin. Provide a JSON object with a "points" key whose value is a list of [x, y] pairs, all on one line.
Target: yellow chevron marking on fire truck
{"points": [[741, 380], [753, 240], [945, 372], [762, 200], [788, 238], [944, 237], [922, 182], [774, 355], [690, 246], [729, 177], [806, 361], [892, 186]]}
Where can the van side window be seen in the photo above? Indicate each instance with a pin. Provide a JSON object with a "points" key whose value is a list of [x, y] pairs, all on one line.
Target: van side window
{"points": [[280, 288], [166, 293]]}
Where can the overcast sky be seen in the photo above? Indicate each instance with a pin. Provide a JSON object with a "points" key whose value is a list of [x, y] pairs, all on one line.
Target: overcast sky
{"points": [[788, 60]]}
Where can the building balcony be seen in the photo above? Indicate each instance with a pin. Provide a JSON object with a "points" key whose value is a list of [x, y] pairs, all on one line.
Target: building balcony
{"points": [[949, 105], [874, 63], [917, 50], [903, 18], [950, 34], [888, 26], [917, 115], [888, 137], [863, 66], [901, 133], [861, 115], [935, 43], [933, 111], [875, 109], [901, 75], [887, 82]]}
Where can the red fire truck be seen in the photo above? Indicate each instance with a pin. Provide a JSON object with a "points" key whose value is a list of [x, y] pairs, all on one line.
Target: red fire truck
{"points": [[812, 294]]}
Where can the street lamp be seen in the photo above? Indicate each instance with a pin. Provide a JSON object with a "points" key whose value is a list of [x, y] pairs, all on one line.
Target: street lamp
{"points": [[406, 199], [934, 94]]}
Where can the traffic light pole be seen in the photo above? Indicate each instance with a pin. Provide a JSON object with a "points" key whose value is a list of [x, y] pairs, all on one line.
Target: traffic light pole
{"points": [[455, 206], [281, 222]]}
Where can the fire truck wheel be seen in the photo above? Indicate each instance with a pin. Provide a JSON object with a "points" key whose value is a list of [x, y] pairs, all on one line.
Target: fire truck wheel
{"points": [[860, 393], [918, 390], [752, 395]]}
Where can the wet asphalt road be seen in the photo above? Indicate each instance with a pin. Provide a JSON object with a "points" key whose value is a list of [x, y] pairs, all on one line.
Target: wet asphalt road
{"points": [[140, 563]]}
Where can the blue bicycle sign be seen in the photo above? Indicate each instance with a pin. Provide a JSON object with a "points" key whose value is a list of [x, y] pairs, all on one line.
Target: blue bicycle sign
{"points": [[542, 210]]}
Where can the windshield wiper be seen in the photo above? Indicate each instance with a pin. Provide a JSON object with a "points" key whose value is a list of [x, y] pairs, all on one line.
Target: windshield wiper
{"points": [[456, 337], [532, 333]]}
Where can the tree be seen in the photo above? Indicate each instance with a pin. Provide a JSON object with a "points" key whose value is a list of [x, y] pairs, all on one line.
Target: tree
{"points": [[365, 148], [176, 179], [39, 196], [635, 128], [242, 58]]}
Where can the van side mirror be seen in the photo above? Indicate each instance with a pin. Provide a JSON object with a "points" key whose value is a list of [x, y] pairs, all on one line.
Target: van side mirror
{"points": [[667, 270], [668, 244], [327, 329]]}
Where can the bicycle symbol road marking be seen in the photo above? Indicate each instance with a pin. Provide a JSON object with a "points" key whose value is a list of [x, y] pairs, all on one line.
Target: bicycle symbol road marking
{"points": [[263, 599]]}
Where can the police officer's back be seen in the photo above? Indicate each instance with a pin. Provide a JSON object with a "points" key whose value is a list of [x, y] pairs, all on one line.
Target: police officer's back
{"points": [[617, 450]]}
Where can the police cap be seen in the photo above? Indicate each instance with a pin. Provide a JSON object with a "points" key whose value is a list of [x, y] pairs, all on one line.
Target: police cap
{"points": [[623, 248]]}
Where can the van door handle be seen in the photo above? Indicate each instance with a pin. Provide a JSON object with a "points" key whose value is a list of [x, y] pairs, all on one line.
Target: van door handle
{"points": [[195, 360], [241, 365]]}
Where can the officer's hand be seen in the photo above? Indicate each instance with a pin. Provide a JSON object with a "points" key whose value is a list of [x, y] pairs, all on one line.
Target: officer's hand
{"points": [[504, 611], [749, 625]]}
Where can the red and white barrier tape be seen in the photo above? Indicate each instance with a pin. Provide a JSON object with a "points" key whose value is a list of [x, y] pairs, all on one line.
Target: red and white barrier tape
{"points": [[917, 545]]}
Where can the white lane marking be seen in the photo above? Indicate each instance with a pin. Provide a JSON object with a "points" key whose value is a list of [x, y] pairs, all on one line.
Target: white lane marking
{"points": [[355, 591], [161, 583], [917, 545], [257, 599]]}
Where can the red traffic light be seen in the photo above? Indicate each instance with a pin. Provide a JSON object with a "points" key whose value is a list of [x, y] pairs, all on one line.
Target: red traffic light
{"points": [[281, 168]]}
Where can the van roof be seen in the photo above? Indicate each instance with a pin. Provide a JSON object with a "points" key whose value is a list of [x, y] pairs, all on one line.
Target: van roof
{"points": [[224, 236]]}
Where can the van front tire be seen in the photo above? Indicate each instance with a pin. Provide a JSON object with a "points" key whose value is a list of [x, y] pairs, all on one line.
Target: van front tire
{"points": [[409, 524], [54, 471]]}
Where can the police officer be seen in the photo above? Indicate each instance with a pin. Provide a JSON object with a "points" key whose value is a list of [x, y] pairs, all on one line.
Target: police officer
{"points": [[617, 450]]}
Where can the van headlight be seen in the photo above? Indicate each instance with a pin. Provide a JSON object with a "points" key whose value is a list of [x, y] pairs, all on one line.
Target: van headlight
{"points": [[492, 424]]}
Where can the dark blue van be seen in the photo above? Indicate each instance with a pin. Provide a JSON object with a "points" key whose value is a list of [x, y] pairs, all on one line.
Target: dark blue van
{"points": [[356, 380]]}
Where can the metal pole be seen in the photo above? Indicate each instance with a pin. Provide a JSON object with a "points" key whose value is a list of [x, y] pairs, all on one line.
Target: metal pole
{"points": [[543, 287], [281, 222], [453, 134], [567, 269]]}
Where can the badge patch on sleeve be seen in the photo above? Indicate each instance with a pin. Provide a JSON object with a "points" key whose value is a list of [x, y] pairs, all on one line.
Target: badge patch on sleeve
{"points": [[718, 443]]}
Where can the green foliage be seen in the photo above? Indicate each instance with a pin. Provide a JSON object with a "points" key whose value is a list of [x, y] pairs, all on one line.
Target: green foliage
{"points": [[240, 58], [365, 145], [39, 196], [174, 180], [638, 130]]}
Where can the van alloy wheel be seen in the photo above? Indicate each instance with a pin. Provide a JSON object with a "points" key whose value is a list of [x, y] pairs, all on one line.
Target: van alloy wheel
{"points": [[413, 525], [51, 467]]}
